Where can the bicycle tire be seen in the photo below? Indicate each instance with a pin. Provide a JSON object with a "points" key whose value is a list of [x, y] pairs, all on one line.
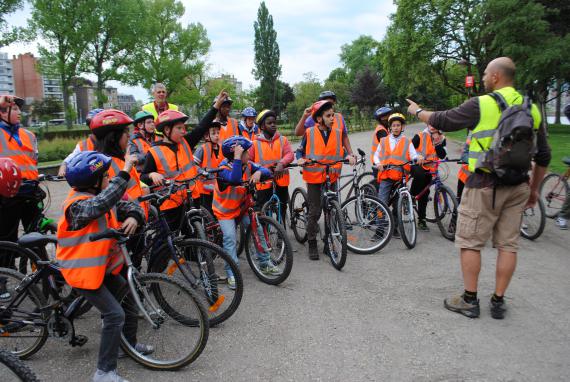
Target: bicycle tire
{"points": [[366, 220], [177, 326], [38, 302], [17, 367], [367, 178], [198, 229], [526, 232], [450, 205], [210, 285], [405, 207], [270, 208], [369, 189], [283, 259], [336, 220], [299, 212], [553, 195]]}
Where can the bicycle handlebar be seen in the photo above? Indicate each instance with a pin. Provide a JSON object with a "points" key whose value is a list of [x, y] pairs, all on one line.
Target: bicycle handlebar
{"points": [[108, 234]]}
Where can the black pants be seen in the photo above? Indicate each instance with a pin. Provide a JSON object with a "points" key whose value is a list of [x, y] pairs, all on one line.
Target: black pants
{"points": [[460, 187], [12, 212], [116, 318], [263, 197], [314, 193], [421, 179], [206, 201]]}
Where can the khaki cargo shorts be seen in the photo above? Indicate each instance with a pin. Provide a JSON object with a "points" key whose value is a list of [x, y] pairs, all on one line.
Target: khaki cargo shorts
{"points": [[478, 220]]}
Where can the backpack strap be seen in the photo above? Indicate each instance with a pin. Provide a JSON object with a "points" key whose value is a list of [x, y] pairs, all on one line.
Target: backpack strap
{"points": [[500, 100]]}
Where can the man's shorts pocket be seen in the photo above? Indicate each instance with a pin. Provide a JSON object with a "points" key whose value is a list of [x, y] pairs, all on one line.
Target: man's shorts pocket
{"points": [[467, 224]]}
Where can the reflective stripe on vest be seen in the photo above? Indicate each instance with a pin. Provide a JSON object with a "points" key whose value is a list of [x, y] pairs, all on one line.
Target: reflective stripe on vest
{"points": [[210, 161], [268, 154], [375, 140], [87, 144], [427, 149], [83, 262], [149, 107], [399, 155], [134, 189], [231, 129], [489, 116], [463, 173], [227, 204], [317, 150], [25, 156], [166, 164]]}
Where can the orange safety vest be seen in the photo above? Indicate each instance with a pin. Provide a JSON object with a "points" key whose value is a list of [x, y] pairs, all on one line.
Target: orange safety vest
{"points": [[179, 165], [227, 204], [83, 262], [269, 153], [337, 122], [210, 161], [134, 189], [427, 149], [142, 144], [87, 144], [317, 150], [25, 156], [399, 155], [375, 140], [229, 130], [463, 173]]}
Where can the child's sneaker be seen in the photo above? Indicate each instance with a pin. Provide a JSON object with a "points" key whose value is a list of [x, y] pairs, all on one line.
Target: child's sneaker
{"points": [[561, 223], [270, 269], [422, 225], [232, 282]]}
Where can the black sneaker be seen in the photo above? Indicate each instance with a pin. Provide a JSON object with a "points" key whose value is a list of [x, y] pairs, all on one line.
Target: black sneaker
{"points": [[422, 225], [313, 250], [5, 295], [498, 309], [457, 304], [396, 234]]}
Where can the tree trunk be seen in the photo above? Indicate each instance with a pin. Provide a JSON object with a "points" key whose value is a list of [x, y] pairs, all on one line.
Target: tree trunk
{"points": [[558, 106], [100, 86], [66, 106]]}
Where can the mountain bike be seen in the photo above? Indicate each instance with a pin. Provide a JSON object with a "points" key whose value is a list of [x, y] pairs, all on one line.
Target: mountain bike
{"points": [[274, 207], [13, 369], [554, 189], [533, 221], [28, 317]]}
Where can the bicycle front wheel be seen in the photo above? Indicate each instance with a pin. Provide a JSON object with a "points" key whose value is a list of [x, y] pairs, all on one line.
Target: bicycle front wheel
{"points": [[368, 222], [299, 213], [178, 327], [335, 245], [553, 191], [16, 369], [268, 250], [407, 220], [445, 210], [533, 221]]}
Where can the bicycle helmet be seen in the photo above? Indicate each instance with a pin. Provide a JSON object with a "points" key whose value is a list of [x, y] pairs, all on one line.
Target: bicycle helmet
{"points": [[141, 116], [86, 168], [249, 112], [10, 178], [14, 100], [91, 114], [109, 120], [263, 115], [169, 118], [397, 117], [327, 94], [318, 108], [230, 143], [382, 112], [227, 100]]}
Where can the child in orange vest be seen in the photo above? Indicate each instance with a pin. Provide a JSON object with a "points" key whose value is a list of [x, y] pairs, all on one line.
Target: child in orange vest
{"points": [[93, 267], [273, 151], [209, 156], [230, 196], [320, 141]]}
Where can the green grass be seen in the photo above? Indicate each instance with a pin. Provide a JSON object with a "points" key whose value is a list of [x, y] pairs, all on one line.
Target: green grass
{"points": [[57, 149], [558, 139]]}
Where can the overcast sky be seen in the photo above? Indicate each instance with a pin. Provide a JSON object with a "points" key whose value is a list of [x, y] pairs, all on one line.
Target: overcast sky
{"points": [[309, 33]]}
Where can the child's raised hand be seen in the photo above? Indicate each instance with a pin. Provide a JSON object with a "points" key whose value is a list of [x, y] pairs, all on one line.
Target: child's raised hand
{"points": [[130, 161], [238, 150], [307, 112]]}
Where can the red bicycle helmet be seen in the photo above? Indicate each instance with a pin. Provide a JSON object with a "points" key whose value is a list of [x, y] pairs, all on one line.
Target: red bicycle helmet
{"points": [[109, 120], [318, 106], [10, 178], [169, 118]]}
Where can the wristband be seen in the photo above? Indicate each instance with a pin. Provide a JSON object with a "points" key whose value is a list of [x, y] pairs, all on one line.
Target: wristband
{"points": [[418, 112]]}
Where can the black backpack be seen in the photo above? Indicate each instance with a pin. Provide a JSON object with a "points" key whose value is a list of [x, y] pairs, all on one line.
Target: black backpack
{"points": [[514, 143]]}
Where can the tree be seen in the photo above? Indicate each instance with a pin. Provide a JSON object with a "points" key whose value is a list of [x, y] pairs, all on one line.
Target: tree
{"points": [[62, 27], [267, 68], [306, 93], [8, 35], [368, 92], [285, 95], [360, 53], [338, 82], [114, 28], [46, 109], [171, 53]]}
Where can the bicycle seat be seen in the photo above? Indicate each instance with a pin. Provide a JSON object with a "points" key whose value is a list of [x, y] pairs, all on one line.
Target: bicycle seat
{"points": [[566, 160], [36, 239]]}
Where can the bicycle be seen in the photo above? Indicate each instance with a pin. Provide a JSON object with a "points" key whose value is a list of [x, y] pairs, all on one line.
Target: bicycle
{"points": [[273, 207], [28, 317], [553, 190], [444, 201], [335, 229], [264, 235], [533, 221], [365, 180], [16, 369], [365, 215]]}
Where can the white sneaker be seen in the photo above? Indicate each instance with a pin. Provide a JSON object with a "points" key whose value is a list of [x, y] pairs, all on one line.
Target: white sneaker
{"points": [[562, 223], [110, 376]]}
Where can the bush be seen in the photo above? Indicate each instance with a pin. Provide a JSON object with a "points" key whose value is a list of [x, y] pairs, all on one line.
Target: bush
{"points": [[56, 149]]}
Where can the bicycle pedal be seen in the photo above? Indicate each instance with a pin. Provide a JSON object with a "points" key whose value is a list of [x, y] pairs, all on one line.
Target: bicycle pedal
{"points": [[78, 340]]}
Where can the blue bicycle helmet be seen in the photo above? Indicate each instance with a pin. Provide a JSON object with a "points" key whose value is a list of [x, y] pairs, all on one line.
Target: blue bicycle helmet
{"points": [[327, 94], [231, 142], [91, 114], [382, 112], [249, 112], [86, 168]]}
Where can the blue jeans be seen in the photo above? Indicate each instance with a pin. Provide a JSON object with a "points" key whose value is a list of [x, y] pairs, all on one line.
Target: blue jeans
{"points": [[228, 228], [384, 190]]}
